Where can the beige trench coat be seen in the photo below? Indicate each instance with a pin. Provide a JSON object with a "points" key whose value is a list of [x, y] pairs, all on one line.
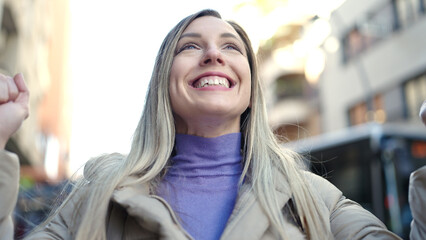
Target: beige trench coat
{"points": [[135, 214]]}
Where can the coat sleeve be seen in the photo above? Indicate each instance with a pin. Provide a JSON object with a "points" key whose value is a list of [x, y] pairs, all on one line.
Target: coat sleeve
{"points": [[57, 228], [63, 224], [9, 186], [348, 219], [417, 199]]}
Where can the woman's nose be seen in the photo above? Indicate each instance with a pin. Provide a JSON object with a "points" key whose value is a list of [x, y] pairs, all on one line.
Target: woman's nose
{"points": [[212, 56]]}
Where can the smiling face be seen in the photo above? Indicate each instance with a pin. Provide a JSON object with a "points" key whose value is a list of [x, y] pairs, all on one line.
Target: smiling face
{"points": [[210, 79]]}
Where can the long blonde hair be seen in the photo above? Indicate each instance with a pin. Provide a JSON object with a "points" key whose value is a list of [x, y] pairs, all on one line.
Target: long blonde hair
{"points": [[153, 143]]}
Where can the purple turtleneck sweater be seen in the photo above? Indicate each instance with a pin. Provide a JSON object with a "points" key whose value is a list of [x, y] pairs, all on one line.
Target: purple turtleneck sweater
{"points": [[202, 183]]}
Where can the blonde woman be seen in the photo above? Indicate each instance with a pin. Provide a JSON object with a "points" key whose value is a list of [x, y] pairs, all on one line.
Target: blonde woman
{"points": [[203, 163]]}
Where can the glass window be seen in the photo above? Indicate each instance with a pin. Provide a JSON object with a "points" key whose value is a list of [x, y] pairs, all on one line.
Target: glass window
{"points": [[360, 113], [348, 167], [403, 156], [354, 43], [379, 182], [357, 114], [408, 11], [292, 85], [377, 25], [415, 94], [380, 23]]}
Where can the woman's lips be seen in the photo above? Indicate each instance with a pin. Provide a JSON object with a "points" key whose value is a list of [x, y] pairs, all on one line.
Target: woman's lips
{"points": [[211, 81]]}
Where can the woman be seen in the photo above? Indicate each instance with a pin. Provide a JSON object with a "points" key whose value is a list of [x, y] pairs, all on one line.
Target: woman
{"points": [[203, 161]]}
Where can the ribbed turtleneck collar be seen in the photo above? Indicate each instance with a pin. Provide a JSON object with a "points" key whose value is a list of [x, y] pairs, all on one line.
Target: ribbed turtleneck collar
{"points": [[201, 184], [206, 157]]}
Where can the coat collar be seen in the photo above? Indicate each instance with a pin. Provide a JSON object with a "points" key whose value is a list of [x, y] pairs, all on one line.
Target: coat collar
{"points": [[153, 211]]}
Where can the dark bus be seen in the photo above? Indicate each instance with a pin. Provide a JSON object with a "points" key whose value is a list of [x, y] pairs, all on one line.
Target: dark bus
{"points": [[370, 164]]}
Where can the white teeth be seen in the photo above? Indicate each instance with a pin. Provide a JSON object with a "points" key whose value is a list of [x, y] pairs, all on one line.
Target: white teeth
{"points": [[212, 82]]}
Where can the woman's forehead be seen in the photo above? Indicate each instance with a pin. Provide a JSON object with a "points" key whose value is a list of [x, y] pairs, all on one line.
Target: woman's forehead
{"points": [[210, 24]]}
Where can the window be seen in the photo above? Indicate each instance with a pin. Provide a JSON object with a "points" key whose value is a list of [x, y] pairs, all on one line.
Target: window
{"points": [[408, 11], [353, 43], [291, 85], [380, 23], [362, 113], [374, 175], [376, 26], [348, 167], [415, 94]]}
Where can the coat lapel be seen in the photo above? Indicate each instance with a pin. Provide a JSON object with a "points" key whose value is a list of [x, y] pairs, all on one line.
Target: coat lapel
{"points": [[248, 220], [150, 212]]}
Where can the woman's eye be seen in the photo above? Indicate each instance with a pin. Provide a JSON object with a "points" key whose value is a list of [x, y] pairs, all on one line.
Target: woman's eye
{"points": [[189, 46], [232, 47]]}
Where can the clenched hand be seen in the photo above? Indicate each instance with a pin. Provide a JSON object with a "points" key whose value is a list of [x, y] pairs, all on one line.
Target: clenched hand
{"points": [[14, 97]]}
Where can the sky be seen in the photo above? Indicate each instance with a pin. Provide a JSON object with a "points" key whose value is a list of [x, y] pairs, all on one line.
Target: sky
{"points": [[112, 50]]}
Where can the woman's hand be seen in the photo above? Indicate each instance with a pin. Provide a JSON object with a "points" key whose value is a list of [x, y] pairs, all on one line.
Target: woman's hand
{"points": [[14, 96]]}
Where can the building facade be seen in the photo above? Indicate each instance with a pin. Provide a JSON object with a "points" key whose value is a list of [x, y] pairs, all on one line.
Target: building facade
{"points": [[34, 41], [378, 72], [292, 98]]}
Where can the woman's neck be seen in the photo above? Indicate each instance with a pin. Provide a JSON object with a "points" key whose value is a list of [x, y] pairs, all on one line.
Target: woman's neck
{"points": [[207, 127], [203, 157]]}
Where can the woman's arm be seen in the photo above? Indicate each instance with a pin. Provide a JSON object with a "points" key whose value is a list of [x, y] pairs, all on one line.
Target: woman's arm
{"points": [[417, 199], [56, 228], [14, 97], [9, 185], [348, 219], [417, 194]]}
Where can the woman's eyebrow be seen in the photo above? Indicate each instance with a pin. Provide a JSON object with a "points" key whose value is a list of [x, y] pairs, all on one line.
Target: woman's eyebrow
{"points": [[197, 35], [227, 35]]}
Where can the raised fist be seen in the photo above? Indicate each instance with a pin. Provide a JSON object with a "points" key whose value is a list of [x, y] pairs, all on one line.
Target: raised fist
{"points": [[14, 97]]}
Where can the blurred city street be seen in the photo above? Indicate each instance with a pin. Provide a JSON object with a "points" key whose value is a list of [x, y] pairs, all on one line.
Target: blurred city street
{"points": [[344, 81]]}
